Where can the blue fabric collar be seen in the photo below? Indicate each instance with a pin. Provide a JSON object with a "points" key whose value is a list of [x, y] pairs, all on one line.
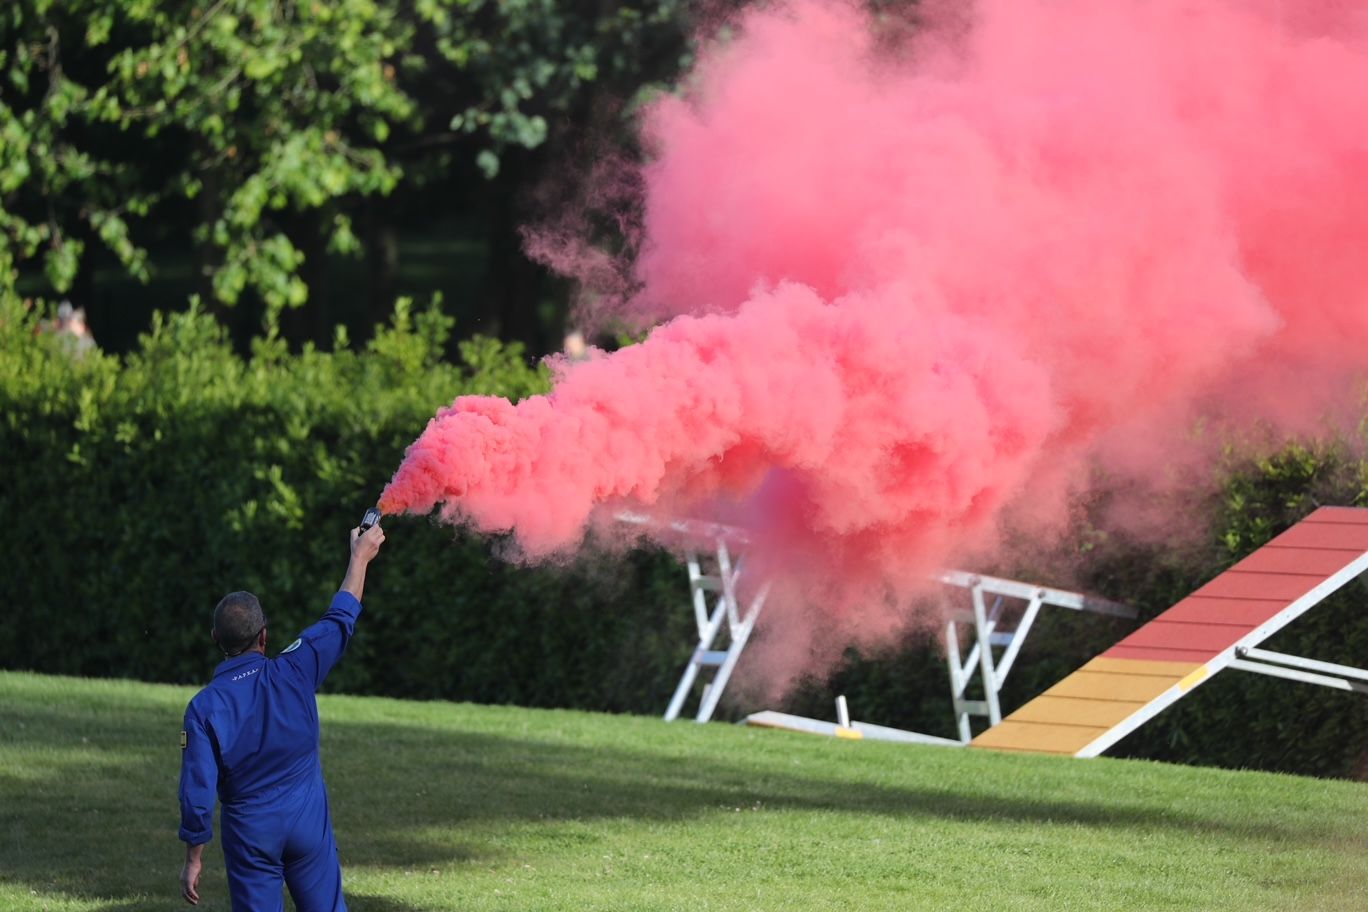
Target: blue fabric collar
{"points": [[237, 663]]}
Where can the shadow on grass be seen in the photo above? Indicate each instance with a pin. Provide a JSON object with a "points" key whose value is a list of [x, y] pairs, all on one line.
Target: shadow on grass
{"points": [[435, 782], [98, 819]]}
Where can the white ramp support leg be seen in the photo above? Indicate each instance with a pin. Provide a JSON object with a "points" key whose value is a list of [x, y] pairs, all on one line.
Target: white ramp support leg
{"points": [[1296, 668], [958, 682], [989, 632], [726, 617]]}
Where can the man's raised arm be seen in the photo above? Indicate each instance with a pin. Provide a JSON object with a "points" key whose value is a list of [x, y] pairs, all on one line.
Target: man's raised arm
{"points": [[364, 547], [322, 644]]}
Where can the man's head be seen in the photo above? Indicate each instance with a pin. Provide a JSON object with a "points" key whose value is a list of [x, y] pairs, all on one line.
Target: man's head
{"points": [[239, 623]]}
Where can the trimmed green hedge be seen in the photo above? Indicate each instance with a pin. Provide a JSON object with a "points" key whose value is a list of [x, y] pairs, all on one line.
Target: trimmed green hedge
{"points": [[137, 491]]}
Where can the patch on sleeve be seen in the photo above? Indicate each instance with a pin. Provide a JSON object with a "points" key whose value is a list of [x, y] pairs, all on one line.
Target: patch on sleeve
{"points": [[292, 647], [185, 740]]}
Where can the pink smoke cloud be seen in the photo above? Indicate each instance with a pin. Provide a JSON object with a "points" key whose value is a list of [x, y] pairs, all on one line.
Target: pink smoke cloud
{"points": [[910, 288]]}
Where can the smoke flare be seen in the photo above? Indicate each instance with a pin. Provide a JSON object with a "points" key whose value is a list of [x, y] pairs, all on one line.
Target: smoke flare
{"points": [[912, 286]]}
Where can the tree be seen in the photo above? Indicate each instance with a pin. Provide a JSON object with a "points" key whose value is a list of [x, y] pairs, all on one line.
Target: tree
{"points": [[261, 128]]}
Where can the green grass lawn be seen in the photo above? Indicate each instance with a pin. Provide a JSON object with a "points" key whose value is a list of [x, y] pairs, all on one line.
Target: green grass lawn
{"points": [[443, 806]]}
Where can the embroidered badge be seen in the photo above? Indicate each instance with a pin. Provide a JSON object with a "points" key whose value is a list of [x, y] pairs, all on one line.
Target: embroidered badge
{"points": [[292, 647], [184, 740]]}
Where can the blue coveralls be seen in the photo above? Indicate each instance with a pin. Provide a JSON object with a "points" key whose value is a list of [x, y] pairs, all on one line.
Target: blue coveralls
{"points": [[253, 736]]}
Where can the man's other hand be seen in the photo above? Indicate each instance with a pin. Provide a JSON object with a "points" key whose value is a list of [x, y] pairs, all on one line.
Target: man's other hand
{"points": [[190, 875], [364, 546]]}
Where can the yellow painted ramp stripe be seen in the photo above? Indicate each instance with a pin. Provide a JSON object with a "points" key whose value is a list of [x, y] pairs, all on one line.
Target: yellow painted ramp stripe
{"points": [[1091, 701], [1042, 738], [1071, 711], [1091, 685], [1140, 666]]}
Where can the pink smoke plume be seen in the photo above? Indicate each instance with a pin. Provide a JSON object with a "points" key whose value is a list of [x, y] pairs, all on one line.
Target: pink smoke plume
{"points": [[912, 287]]}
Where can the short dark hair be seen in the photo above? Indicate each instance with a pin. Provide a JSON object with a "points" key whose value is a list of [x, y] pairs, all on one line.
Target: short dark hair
{"points": [[238, 619]]}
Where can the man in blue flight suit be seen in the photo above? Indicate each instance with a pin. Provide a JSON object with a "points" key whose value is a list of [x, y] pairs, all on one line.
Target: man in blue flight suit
{"points": [[252, 737]]}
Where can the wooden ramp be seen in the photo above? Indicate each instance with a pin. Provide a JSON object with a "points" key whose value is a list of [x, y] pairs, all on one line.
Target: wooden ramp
{"points": [[1157, 665]]}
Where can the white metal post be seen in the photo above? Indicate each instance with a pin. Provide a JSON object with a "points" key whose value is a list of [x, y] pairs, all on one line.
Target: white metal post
{"points": [[698, 587], [739, 634], [957, 681], [983, 628], [696, 661], [1004, 665], [842, 712]]}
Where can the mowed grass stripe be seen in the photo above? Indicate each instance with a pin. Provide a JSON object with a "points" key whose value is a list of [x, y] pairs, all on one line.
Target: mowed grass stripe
{"points": [[450, 806]]}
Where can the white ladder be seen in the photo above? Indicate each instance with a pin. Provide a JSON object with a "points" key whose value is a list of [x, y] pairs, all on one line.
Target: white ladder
{"points": [[726, 615]]}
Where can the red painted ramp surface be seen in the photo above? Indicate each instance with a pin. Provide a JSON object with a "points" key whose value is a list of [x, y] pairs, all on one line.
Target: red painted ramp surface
{"points": [[1158, 664]]}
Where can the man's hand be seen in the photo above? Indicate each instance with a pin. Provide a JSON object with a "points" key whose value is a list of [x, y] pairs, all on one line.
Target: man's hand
{"points": [[364, 547], [190, 874]]}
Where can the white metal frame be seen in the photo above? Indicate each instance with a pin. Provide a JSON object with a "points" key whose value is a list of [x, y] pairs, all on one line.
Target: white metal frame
{"points": [[716, 571], [992, 672], [728, 616]]}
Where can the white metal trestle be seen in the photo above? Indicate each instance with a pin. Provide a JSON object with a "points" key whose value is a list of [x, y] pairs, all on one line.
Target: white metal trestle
{"points": [[989, 632], [726, 620]]}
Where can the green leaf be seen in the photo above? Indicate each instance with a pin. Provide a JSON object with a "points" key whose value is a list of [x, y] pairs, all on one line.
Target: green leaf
{"points": [[62, 262], [488, 162]]}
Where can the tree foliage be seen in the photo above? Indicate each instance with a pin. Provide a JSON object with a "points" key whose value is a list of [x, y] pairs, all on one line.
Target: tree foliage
{"points": [[259, 127]]}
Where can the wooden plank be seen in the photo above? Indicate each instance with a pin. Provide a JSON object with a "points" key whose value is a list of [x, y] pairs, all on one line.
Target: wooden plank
{"points": [[1140, 666], [1090, 685], [1076, 711], [1320, 561], [1196, 656], [1234, 584], [1354, 515], [1344, 536], [1037, 737], [1210, 638], [1242, 612]]}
